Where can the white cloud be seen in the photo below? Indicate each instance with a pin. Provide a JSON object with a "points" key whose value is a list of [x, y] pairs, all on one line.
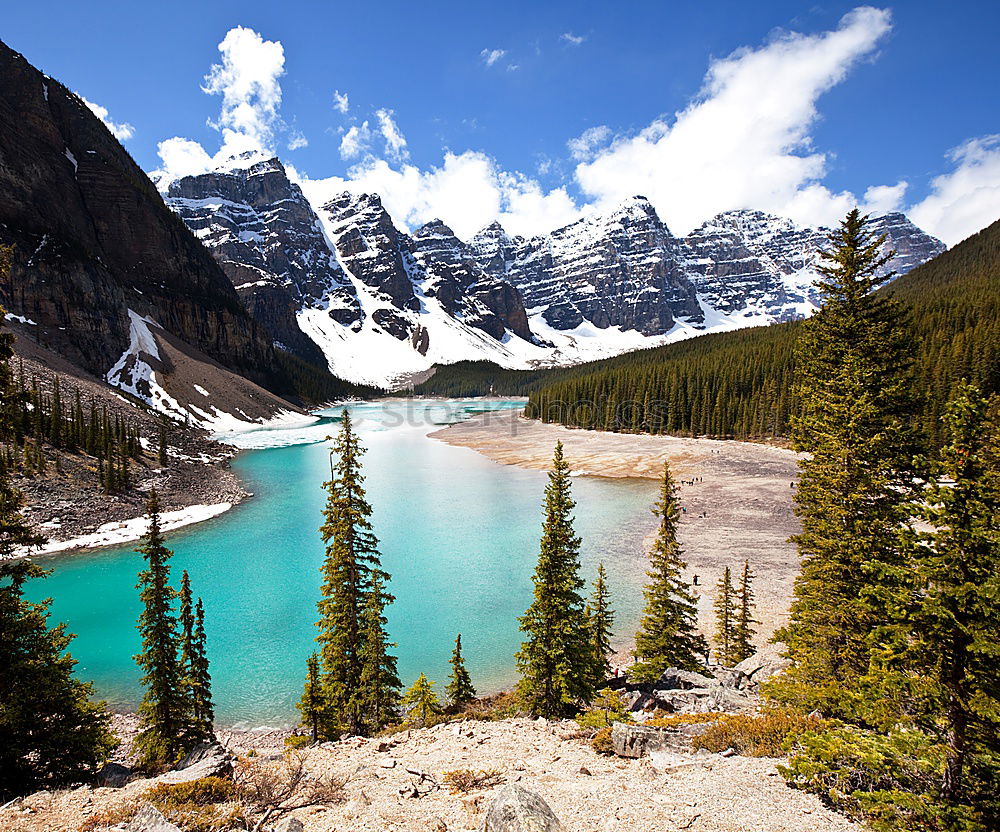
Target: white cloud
{"points": [[586, 146], [571, 39], [296, 140], [491, 56], [966, 199], [468, 191], [881, 199], [355, 141], [247, 80], [513, 67], [340, 101], [182, 157], [123, 131], [395, 142], [744, 142]]}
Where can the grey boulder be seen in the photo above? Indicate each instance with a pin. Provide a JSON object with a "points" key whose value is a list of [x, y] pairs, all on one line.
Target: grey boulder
{"points": [[149, 819], [516, 809]]}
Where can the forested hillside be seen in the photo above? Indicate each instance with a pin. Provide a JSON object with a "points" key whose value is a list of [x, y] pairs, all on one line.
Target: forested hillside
{"points": [[739, 384]]}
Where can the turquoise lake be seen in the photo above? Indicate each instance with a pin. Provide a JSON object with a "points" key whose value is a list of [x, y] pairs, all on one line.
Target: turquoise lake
{"points": [[458, 532]]}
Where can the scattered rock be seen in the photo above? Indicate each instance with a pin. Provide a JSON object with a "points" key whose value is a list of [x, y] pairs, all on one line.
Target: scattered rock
{"points": [[636, 741], [585, 771], [149, 819], [292, 825], [218, 764], [763, 664], [674, 678], [200, 752], [114, 775], [515, 809]]}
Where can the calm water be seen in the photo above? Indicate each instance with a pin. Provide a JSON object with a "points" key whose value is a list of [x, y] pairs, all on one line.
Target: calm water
{"points": [[458, 533]]}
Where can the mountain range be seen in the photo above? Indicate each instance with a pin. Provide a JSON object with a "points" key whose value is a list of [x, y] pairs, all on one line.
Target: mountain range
{"points": [[229, 296], [337, 278]]}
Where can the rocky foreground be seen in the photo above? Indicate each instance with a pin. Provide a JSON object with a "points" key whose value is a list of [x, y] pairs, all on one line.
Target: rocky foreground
{"points": [[397, 783], [509, 775]]}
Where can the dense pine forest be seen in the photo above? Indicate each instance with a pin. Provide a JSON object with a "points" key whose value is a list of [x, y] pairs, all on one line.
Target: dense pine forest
{"points": [[738, 384]]}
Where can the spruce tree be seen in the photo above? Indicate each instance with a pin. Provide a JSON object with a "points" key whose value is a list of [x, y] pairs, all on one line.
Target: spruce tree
{"points": [[311, 704], [202, 707], [379, 680], [601, 618], [854, 425], [668, 631], [350, 568], [725, 620], [953, 644], [421, 702], [743, 636], [163, 712], [459, 691], [556, 661], [51, 733]]}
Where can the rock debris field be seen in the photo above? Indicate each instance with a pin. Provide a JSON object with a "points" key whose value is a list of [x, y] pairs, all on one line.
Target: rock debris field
{"points": [[666, 790]]}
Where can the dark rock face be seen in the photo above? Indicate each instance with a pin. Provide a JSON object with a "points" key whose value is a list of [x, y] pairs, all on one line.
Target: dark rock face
{"points": [[464, 289], [626, 269], [93, 238], [618, 269], [269, 242], [757, 263]]}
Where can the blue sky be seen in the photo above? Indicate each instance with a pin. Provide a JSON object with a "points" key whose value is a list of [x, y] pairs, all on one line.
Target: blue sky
{"points": [[469, 111]]}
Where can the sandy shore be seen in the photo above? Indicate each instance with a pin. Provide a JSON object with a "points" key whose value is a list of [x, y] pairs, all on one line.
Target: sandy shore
{"points": [[736, 495]]}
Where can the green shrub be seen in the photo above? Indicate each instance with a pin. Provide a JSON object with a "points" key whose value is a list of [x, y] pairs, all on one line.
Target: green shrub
{"points": [[608, 708], [195, 806], [888, 780], [298, 741], [753, 735]]}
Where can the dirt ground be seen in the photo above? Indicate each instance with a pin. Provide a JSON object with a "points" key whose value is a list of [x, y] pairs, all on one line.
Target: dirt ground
{"points": [[737, 496], [589, 793]]}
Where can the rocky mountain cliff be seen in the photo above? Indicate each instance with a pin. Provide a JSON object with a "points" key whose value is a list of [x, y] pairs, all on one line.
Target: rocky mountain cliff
{"points": [[378, 304], [96, 250], [626, 270], [383, 306]]}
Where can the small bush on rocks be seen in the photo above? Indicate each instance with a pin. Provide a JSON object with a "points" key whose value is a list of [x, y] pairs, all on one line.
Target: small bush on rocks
{"points": [[679, 720], [608, 708], [298, 741], [753, 735], [601, 743], [195, 806], [464, 780]]}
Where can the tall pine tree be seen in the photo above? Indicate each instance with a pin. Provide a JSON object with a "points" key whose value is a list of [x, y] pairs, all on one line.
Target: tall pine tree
{"points": [[311, 704], [600, 619], [744, 630], [459, 691], [164, 710], [556, 661], [953, 645], [200, 680], [352, 580], [379, 680], [725, 620], [853, 386], [668, 631]]}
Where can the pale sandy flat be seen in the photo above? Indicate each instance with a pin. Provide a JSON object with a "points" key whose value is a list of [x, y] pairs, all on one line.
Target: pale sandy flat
{"points": [[739, 505]]}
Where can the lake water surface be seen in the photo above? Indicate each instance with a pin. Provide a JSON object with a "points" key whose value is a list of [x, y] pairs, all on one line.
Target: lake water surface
{"points": [[459, 535]]}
